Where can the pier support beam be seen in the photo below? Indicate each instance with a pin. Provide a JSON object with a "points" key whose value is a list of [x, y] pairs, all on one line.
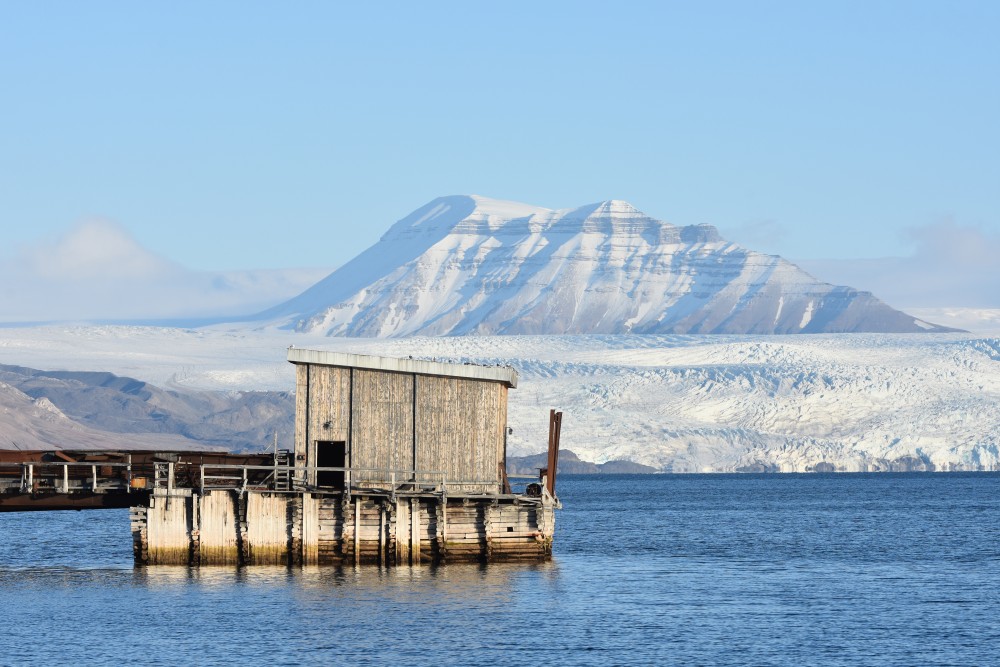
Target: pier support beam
{"points": [[228, 527]]}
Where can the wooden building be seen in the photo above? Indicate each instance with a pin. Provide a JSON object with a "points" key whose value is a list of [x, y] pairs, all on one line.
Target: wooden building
{"points": [[422, 419], [395, 461]]}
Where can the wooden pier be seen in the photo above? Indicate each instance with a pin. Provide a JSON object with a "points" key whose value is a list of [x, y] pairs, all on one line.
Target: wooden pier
{"points": [[395, 462], [396, 524]]}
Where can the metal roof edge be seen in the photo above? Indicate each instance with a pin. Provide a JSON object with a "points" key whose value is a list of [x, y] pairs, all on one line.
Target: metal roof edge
{"points": [[505, 374]]}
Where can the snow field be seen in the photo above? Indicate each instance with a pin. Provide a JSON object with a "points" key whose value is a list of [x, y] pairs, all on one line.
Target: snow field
{"points": [[679, 403]]}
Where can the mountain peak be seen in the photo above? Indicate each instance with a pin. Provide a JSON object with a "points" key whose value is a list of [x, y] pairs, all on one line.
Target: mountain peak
{"points": [[619, 206], [505, 209], [468, 264]]}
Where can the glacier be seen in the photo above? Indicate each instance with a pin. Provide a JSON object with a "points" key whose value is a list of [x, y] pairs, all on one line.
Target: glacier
{"points": [[678, 403]]}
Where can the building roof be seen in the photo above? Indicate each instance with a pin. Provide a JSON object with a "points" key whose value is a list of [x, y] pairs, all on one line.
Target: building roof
{"points": [[504, 374]]}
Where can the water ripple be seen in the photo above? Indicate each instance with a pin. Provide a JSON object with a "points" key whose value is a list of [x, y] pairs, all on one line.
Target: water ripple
{"points": [[704, 569]]}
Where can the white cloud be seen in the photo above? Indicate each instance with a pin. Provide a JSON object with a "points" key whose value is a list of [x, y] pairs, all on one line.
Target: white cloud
{"points": [[97, 271], [96, 249], [951, 266]]}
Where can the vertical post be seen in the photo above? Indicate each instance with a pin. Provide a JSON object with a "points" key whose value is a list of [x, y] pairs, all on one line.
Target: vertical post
{"points": [[93, 478], [128, 474], [65, 478], [402, 555], [202, 478], [349, 443], [555, 449], [381, 534], [170, 478], [195, 538], [413, 428], [444, 523], [357, 530], [555, 427], [31, 478], [414, 531]]}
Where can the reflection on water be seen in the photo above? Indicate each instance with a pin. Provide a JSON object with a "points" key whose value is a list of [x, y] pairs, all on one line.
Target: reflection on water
{"points": [[788, 570], [441, 585]]}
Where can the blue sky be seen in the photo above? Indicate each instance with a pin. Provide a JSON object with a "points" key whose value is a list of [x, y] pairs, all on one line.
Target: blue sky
{"points": [[251, 135]]}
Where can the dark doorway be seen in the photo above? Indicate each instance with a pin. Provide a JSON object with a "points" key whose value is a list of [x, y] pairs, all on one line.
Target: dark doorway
{"points": [[331, 454]]}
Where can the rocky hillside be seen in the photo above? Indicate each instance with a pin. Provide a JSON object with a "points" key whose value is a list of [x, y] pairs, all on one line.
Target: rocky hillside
{"points": [[105, 402], [29, 424]]}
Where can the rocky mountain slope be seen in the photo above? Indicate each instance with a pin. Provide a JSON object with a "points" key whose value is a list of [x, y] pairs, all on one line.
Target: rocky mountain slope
{"points": [[472, 265], [37, 424], [570, 464], [231, 420]]}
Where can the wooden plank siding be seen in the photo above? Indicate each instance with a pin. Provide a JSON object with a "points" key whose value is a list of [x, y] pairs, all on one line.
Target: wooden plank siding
{"points": [[459, 429], [301, 412], [328, 409], [381, 424], [401, 421]]}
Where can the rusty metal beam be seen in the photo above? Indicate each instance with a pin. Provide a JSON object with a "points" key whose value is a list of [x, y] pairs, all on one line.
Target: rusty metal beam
{"points": [[555, 429], [26, 502]]}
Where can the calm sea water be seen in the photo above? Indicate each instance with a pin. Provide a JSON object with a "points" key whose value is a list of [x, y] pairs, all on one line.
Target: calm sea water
{"points": [[701, 569]]}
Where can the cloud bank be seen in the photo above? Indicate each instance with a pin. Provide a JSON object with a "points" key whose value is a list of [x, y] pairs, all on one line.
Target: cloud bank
{"points": [[97, 271], [951, 266]]}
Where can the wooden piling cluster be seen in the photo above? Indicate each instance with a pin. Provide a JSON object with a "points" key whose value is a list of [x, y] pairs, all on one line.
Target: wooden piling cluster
{"points": [[232, 527]]}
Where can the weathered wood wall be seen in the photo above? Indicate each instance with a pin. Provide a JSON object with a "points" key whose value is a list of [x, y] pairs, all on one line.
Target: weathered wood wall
{"points": [[322, 409], [402, 421], [167, 532], [460, 426], [269, 528], [219, 529], [301, 412], [228, 528], [381, 423]]}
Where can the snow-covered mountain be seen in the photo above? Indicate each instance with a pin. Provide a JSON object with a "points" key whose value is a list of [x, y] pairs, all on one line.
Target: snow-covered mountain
{"points": [[472, 265]]}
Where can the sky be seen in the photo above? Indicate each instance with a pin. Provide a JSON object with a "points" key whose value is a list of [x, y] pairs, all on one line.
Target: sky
{"points": [[216, 139]]}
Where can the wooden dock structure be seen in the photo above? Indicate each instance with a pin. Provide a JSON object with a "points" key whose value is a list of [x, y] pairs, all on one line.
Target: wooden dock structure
{"points": [[395, 461]]}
